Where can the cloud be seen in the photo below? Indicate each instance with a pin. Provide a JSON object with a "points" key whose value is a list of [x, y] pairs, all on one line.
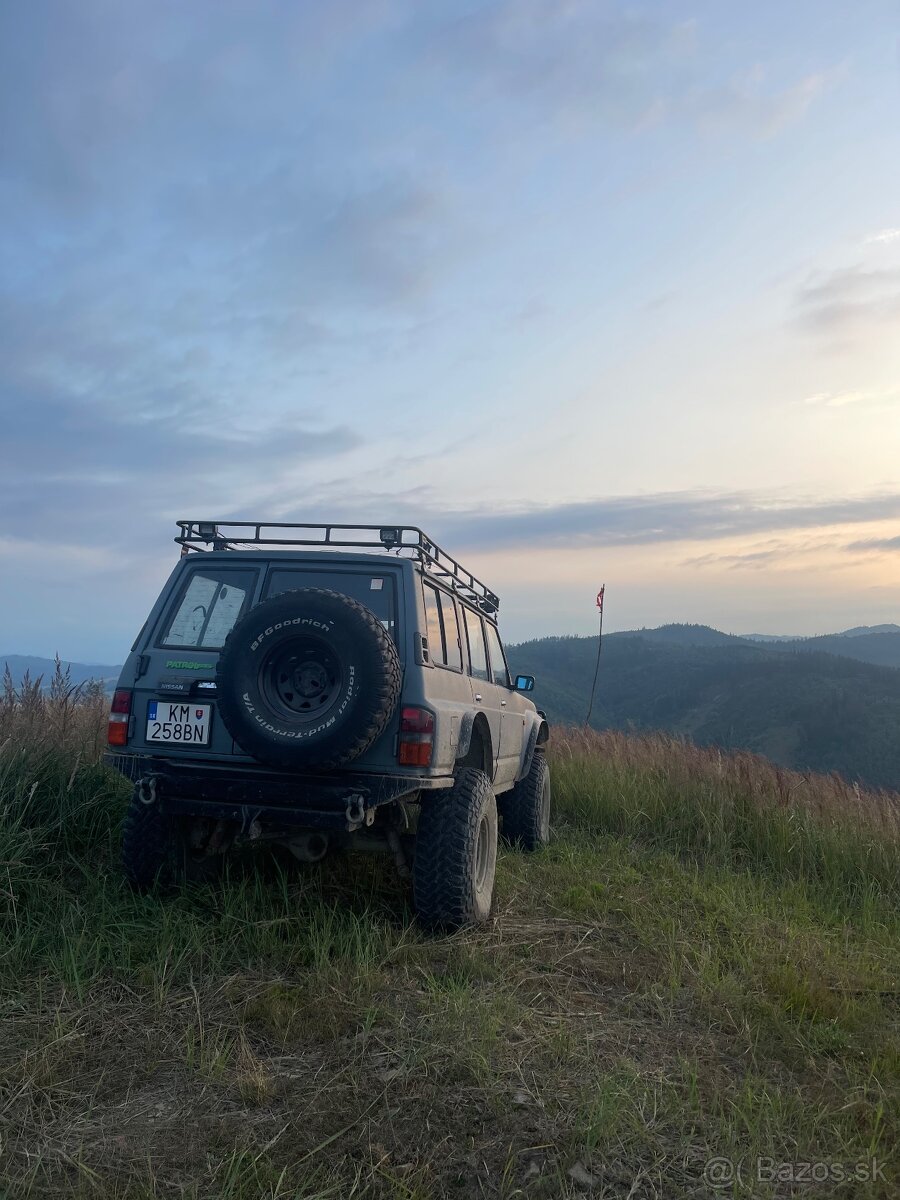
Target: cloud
{"points": [[93, 95], [848, 301], [609, 521], [101, 472], [884, 396], [749, 103], [647, 520], [570, 62], [883, 237], [753, 560], [585, 65], [788, 552], [869, 545]]}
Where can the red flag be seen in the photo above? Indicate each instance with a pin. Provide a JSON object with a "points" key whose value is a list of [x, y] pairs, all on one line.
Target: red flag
{"points": [[600, 597]]}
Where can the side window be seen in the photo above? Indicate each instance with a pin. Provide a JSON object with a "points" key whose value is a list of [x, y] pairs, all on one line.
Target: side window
{"points": [[434, 629], [499, 672], [477, 652], [210, 604], [453, 653]]}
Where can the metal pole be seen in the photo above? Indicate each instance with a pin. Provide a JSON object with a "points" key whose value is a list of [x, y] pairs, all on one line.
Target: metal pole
{"points": [[600, 597]]}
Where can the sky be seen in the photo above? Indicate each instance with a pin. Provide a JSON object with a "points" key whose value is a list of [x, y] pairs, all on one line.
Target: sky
{"points": [[593, 292]]}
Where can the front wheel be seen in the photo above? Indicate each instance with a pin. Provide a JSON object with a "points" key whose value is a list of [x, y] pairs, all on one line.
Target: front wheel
{"points": [[526, 809], [456, 853]]}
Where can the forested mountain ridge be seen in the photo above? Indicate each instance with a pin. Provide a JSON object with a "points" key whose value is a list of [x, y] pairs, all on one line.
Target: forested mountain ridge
{"points": [[797, 705], [823, 703]]}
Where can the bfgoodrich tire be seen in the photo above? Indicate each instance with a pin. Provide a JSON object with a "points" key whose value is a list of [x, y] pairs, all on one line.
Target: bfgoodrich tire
{"points": [[309, 678], [526, 809], [456, 853]]}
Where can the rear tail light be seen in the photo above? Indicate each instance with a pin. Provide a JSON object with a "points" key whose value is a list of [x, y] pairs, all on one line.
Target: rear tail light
{"points": [[416, 737], [119, 713]]}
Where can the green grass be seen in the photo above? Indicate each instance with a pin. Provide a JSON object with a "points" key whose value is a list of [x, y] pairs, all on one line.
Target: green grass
{"points": [[693, 968]]}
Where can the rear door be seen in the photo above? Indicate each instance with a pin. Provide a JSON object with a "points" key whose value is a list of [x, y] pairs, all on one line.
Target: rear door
{"points": [[452, 690], [485, 695], [513, 710], [379, 588]]}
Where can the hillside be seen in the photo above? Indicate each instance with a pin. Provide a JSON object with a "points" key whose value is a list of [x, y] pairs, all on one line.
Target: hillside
{"points": [[681, 635], [876, 644], [35, 667], [881, 648], [701, 967], [807, 710], [862, 630]]}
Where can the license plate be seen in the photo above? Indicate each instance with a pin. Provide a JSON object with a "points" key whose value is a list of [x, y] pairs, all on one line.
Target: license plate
{"points": [[173, 721]]}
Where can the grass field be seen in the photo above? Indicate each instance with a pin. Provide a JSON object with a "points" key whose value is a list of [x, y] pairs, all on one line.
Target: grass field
{"points": [[703, 965]]}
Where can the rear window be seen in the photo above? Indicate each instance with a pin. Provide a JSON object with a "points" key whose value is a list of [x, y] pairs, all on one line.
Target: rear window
{"points": [[498, 658], [452, 650], [443, 629], [376, 591], [208, 605], [477, 650]]}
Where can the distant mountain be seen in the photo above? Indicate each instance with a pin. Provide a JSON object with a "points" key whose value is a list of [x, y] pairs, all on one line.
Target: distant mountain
{"points": [[864, 630], [680, 635], [768, 637], [78, 672], [798, 706], [880, 648], [876, 644]]}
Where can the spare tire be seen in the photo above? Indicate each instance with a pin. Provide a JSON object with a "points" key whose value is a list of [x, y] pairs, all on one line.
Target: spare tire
{"points": [[308, 678]]}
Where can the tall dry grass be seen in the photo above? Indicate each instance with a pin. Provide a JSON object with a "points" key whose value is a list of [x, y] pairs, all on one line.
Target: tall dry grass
{"points": [[735, 811], [62, 716], [54, 792], [829, 799]]}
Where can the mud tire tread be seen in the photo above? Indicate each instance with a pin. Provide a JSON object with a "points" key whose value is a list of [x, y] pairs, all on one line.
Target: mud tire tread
{"points": [[444, 867], [521, 808]]}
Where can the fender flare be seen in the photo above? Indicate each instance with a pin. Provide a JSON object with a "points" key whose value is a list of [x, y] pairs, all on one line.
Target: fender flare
{"points": [[466, 729], [538, 736]]}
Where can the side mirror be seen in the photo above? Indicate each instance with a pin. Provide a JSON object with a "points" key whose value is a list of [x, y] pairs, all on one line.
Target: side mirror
{"points": [[524, 683]]}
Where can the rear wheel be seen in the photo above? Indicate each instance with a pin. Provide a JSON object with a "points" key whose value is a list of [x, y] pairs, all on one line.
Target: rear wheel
{"points": [[157, 849], [526, 809], [456, 853]]}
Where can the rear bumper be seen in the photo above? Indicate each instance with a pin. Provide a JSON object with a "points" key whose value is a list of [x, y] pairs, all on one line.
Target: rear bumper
{"points": [[336, 799]]}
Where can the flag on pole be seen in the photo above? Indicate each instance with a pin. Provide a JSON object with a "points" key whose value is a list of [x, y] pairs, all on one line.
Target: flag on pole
{"points": [[600, 596]]}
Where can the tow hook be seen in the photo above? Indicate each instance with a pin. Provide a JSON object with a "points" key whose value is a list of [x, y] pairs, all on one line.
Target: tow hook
{"points": [[356, 812], [146, 789]]}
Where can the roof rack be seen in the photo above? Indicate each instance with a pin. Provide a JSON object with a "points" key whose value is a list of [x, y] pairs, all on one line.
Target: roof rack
{"points": [[407, 541]]}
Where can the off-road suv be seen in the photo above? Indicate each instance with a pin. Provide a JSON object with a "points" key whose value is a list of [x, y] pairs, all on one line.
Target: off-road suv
{"points": [[328, 685]]}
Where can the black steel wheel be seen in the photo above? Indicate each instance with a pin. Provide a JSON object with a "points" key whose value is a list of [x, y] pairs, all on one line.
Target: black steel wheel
{"points": [[302, 678]]}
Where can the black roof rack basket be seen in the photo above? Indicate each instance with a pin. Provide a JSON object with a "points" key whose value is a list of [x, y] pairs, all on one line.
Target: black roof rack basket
{"points": [[404, 540]]}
